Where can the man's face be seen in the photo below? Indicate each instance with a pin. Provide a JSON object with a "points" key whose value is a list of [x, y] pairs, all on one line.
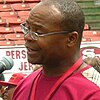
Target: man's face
{"points": [[9, 92], [47, 49]]}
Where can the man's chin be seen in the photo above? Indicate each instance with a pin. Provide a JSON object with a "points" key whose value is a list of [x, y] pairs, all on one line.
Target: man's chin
{"points": [[35, 61]]}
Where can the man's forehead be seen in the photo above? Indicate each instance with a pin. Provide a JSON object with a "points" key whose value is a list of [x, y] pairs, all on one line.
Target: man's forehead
{"points": [[44, 9], [44, 13]]}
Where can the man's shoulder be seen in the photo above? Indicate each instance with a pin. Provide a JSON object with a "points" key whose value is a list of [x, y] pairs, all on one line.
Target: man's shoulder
{"points": [[88, 77], [25, 86], [29, 79], [83, 83]]}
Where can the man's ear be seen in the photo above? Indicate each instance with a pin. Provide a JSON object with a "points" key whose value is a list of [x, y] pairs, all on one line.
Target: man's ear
{"points": [[72, 39]]}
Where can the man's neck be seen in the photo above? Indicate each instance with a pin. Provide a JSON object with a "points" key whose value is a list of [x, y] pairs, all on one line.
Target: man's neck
{"points": [[57, 70], [53, 72], [60, 69]]}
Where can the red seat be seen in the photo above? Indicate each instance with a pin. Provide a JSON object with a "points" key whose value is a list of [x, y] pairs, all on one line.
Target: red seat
{"points": [[14, 21], [6, 30], [8, 14], [7, 43], [5, 7], [2, 37], [14, 37], [32, 5], [95, 38], [20, 42], [2, 22], [86, 40], [20, 6], [1, 1], [98, 32], [18, 29], [23, 14], [91, 33], [24, 18]]}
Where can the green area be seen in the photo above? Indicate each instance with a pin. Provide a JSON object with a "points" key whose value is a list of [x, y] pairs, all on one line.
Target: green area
{"points": [[91, 12]]}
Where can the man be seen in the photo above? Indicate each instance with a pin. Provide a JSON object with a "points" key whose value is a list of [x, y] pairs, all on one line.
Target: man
{"points": [[11, 85], [53, 33]]}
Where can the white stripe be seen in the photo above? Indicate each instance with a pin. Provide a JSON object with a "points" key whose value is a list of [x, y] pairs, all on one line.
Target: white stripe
{"points": [[93, 75]]}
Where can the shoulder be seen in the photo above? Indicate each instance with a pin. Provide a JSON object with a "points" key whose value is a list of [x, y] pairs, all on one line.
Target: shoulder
{"points": [[94, 96], [85, 83], [92, 75], [86, 78], [29, 79], [24, 87]]}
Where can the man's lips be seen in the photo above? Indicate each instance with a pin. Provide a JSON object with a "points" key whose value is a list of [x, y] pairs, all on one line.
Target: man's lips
{"points": [[32, 49]]}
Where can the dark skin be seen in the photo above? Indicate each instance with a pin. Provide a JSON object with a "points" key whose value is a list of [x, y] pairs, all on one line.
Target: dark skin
{"points": [[8, 92], [58, 52]]}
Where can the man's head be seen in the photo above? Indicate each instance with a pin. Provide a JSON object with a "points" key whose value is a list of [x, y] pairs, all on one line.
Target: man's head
{"points": [[54, 30], [11, 85]]}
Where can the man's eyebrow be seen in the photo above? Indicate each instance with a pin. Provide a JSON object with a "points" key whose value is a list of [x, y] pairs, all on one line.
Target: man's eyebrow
{"points": [[41, 26], [38, 25], [35, 24]]}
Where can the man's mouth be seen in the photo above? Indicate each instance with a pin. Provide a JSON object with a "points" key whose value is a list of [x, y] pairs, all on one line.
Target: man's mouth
{"points": [[32, 49]]}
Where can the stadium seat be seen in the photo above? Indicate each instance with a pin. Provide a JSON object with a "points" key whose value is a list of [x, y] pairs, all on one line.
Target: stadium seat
{"points": [[12, 13], [20, 6], [2, 37], [6, 30], [7, 43], [5, 7], [86, 40], [18, 29], [95, 38], [8, 14], [14, 37], [32, 5], [20, 42], [2, 22], [23, 17], [1, 1], [91, 33], [23, 14], [14, 21]]}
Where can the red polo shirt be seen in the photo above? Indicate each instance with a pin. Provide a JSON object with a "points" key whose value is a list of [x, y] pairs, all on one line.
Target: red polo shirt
{"points": [[76, 87]]}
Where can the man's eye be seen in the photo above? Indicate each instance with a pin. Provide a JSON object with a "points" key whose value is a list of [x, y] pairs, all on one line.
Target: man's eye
{"points": [[39, 32]]}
